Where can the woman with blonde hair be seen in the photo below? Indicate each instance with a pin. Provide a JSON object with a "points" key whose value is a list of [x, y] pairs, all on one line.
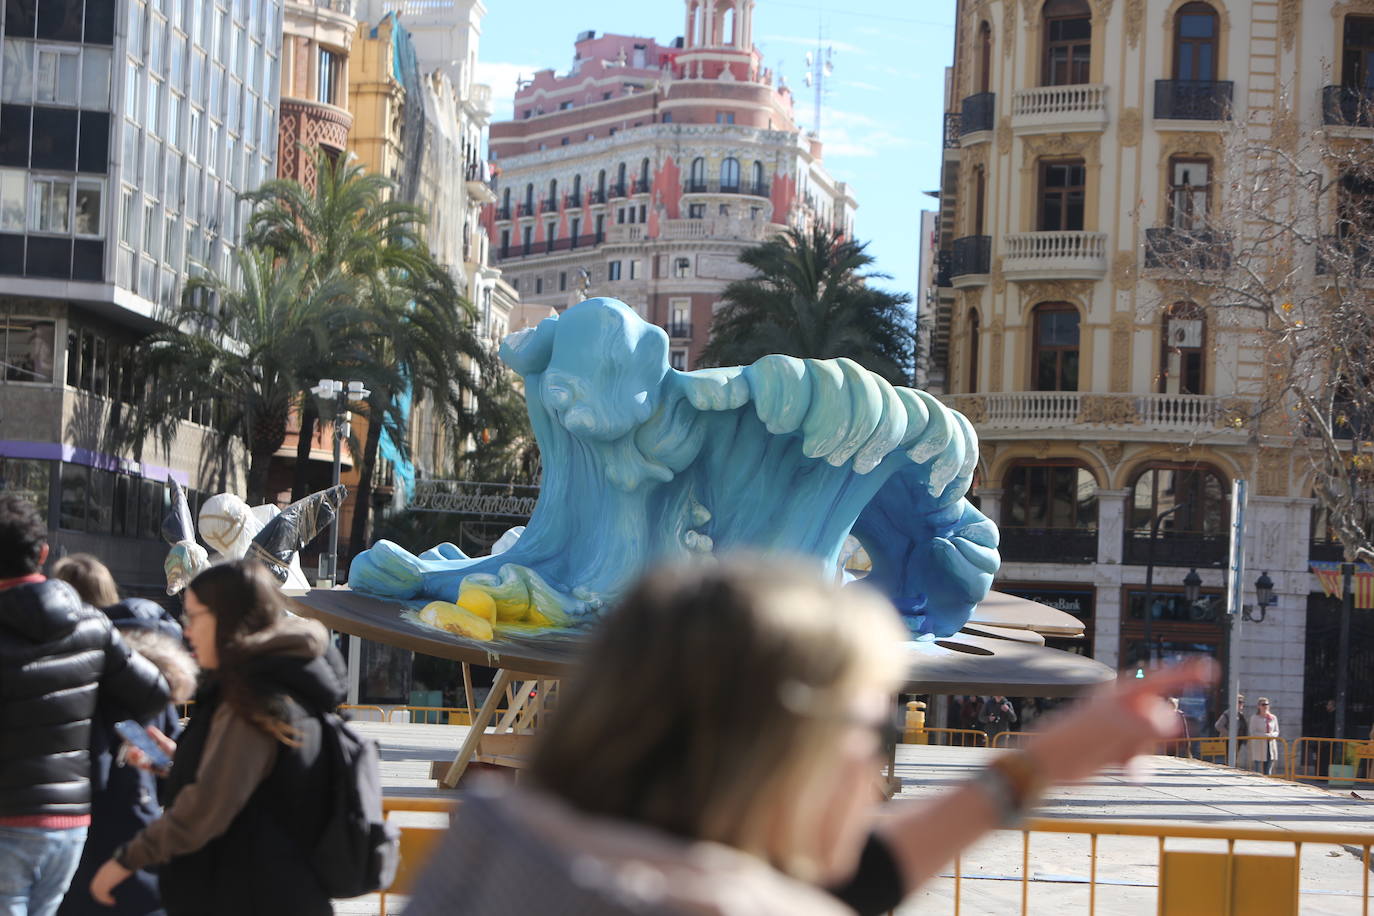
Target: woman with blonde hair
{"points": [[718, 753]]}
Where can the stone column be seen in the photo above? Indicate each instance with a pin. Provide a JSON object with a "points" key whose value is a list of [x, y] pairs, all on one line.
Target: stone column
{"points": [[1111, 525]]}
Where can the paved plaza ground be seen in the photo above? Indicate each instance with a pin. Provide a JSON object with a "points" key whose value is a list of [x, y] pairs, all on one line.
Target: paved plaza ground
{"points": [[1176, 791]]}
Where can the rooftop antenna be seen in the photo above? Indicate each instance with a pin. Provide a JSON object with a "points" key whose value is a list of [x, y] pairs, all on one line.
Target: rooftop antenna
{"points": [[819, 65]]}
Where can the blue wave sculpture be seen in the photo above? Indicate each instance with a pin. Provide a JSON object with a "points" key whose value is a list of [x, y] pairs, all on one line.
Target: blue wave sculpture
{"points": [[644, 463]]}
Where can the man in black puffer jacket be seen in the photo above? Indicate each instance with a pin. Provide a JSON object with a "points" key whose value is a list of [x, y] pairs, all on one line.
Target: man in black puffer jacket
{"points": [[57, 657]]}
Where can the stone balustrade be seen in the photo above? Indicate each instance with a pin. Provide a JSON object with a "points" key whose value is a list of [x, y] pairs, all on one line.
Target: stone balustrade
{"points": [[1055, 101], [1040, 411], [1054, 255]]}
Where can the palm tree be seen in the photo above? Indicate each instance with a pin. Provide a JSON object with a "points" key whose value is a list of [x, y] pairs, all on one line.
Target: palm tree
{"points": [[811, 298], [347, 223], [242, 347]]}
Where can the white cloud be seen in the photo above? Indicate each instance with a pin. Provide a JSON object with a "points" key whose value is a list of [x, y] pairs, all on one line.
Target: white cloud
{"points": [[852, 133], [501, 78], [861, 86]]}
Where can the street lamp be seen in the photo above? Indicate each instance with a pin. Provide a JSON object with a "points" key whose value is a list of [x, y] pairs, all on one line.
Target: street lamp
{"points": [[336, 396], [1192, 586], [1264, 598]]}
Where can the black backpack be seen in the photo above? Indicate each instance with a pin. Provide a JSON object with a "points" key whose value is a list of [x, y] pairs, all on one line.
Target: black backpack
{"points": [[358, 851]]}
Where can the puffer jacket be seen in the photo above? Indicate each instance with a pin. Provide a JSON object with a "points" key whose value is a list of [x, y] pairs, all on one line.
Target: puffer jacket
{"points": [[58, 656]]}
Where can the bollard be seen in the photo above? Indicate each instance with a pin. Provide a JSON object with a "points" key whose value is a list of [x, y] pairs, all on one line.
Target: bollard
{"points": [[915, 729]]}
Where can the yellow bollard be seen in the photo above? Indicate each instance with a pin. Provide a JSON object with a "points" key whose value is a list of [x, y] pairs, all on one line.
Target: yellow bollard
{"points": [[915, 730]]}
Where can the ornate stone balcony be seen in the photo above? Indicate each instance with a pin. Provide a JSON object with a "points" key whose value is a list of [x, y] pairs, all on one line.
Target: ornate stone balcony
{"points": [[1054, 255], [1053, 109], [1041, 414], [303, 124]]}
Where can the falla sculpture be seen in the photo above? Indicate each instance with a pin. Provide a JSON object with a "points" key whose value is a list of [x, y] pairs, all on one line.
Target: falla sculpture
{"points": [[644, 464]]}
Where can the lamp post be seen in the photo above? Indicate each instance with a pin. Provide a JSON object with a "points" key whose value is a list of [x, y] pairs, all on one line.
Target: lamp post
{"points": [[336, 396], [1150, 579]]}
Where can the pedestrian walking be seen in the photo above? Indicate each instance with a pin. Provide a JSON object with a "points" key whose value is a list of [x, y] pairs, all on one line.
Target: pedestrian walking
{"points": [[57, 657], [997, 716], [615, 820], [248, 791], [1265, 725], [124, 799]]}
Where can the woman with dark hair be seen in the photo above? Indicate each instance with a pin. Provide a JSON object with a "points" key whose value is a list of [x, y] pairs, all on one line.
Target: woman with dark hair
{"points": [[124, 799], [247, 786]]}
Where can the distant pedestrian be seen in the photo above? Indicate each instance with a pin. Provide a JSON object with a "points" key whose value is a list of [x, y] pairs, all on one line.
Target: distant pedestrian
{"points": [[1223, 724], [248, 789], [124, 799], [57, 657], [1181, 746], [1264, 724], [998, 716]]}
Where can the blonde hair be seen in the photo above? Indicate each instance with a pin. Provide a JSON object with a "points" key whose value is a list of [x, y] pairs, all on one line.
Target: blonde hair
{"points": [[712, 703], [90, 578]]}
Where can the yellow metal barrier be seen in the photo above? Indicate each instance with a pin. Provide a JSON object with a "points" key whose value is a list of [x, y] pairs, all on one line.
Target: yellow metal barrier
{"points": [[1215, 883], [1338, 762], [435, 715], [418, 844], [1011, 739], [367, 712], [949, 737], [1213, 750]]}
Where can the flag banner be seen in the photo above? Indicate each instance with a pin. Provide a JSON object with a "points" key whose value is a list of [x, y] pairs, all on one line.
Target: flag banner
{"points": [[1362, 583]]}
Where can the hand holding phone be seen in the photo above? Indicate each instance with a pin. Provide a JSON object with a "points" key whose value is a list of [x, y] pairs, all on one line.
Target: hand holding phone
{"points": [[139, 738]]}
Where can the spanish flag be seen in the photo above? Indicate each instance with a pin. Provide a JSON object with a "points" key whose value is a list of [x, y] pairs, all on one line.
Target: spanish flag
{"points": [[1362, 582]]}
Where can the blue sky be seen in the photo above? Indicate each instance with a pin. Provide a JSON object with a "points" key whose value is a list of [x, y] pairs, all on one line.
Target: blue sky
{"points": [[882, 111]]}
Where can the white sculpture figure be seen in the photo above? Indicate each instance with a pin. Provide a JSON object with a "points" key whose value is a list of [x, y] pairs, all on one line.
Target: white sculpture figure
{"points": [[228, 525]]}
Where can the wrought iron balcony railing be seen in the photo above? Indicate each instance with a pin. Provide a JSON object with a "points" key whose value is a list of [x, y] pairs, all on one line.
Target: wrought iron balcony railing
{"points": [[679, 330], [978, 113], [951, 130], [972, 254], [1048, 545], [1187, 249], [1348, 106], [1193, 100]]}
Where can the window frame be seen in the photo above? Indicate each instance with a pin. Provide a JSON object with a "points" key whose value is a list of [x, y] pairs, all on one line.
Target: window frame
{"points": [[1357, 69], [1190, 513], [1081, 518], [1038, 347], [1064, 194], [1175, 191], [1183, 310], [1048, 75], [1188, 48]]}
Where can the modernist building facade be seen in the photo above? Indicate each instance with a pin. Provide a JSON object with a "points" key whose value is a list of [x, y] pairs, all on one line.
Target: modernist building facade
{"points": [[645, 170], [127, 131], [1083, 135]]}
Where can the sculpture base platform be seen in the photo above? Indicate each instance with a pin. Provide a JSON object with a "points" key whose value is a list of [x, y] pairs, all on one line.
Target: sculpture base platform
{"points": [[1002, 652]]}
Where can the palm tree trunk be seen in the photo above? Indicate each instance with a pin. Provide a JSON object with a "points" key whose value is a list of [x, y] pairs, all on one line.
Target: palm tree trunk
{"points": [[362, 505], [300, 487], [259, 469]]}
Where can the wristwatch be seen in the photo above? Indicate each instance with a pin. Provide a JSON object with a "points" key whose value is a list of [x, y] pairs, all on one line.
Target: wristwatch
{"points": [[1014, 784]]}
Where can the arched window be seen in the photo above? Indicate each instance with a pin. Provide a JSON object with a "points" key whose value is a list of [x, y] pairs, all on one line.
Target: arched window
{"points": [[696, 176], [759, 187], [505, 202], [553, 194], [1195, 42], [973, 328], [1054, 355], [1193, 535], [601, 182], [1190, 189], [529, 199], [979, 198], [727, 26], [1068, 42], [577, 191], [1357, 53], [620, 180], [1049, 494], [984, 57], [693, 24], [729, 174], [643, 176], [1181, 363]]}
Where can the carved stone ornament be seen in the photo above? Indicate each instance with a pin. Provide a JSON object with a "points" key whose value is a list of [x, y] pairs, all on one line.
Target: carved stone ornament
{"points": [[1097, 408], [1046, 145], [999, 279], [1189, 143], [1078, 292], [974, 407], [1004, 135], [995, 332], [1289, 11], [1111, 451], [1135, 21], [1102, 10], [1031, 10], [1042, 449], [1124, 270], [1008, 27], [1122, 329], [1273, 472], [1340, 10], [1284, 130], [1129, 126]]}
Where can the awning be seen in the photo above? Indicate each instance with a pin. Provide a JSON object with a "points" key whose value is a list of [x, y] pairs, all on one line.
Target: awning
{"points": [[1362, 582]]}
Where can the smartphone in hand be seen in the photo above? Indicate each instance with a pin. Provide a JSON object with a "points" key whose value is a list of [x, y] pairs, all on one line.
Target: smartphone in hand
{"points": [[135, 734]]}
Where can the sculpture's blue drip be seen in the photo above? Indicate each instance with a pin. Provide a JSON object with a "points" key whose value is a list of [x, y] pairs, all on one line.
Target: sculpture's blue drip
{"points": [[643, 463]]}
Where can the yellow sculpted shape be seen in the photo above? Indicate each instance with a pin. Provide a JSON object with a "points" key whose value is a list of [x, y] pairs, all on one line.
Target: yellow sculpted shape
{"points": [[457, 620]]}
